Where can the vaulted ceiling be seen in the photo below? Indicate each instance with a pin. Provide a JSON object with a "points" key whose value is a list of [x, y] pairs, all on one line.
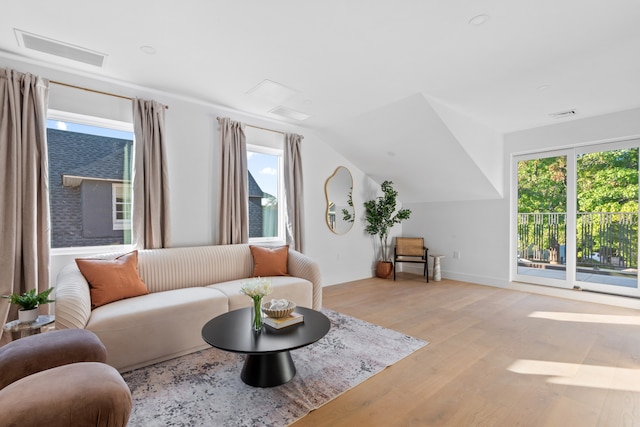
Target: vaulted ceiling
{"points": [[395, 86]]}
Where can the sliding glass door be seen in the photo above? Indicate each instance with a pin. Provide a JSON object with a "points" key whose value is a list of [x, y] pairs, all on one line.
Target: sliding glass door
{"points": [[607, 220], [542, 219], [576, 218]]}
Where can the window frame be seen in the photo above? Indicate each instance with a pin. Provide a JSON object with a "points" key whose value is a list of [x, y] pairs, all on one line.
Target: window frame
{"points": [[89, 120], [571, 280], [84, 119]]}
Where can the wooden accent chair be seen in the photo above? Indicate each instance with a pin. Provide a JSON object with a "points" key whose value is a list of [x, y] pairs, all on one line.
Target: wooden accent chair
{"points": [[411, 249]]}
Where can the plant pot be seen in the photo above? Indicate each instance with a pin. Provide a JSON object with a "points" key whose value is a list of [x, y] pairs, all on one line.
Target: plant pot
{"points": [[384, 269], [26, 316]]}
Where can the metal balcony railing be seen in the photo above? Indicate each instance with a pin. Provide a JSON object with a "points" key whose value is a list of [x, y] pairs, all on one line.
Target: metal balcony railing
{"points": [[603, 239]]}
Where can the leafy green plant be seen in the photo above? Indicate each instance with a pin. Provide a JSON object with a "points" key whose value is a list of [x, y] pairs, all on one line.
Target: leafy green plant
{"points": [[30, 299], [381, 216]]}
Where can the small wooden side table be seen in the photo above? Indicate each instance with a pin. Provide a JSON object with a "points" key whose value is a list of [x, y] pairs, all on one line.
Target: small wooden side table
{"points": [[20, 330], [437, 275]]}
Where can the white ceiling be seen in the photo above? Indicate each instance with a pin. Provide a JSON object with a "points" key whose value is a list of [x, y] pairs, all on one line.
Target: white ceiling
{"points": [[353, 63]]}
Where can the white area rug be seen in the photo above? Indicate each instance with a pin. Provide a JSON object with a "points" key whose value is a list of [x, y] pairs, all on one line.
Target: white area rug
{"points": [[205, 389]]}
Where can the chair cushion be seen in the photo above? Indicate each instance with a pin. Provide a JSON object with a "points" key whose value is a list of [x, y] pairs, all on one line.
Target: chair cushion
{"points": [[36, 353], [410, 246], [79, 394]]}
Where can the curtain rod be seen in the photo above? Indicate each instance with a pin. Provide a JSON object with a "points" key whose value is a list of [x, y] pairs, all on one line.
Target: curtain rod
{"points": [[261, 128], [94, 91]]}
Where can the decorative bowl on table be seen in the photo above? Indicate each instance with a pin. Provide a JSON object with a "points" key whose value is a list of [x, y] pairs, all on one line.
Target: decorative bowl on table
{"points": [[277, 309]]}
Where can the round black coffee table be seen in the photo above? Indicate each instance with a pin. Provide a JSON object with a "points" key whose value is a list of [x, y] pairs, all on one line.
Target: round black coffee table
{"points": [[268, 362]]}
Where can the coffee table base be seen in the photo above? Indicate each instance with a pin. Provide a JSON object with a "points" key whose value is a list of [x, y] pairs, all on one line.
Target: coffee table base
{"points": [[268, 370]]}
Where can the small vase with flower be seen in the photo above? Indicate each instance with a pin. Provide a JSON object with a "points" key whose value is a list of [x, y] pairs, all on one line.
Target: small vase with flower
{"points": [[257, 289]]}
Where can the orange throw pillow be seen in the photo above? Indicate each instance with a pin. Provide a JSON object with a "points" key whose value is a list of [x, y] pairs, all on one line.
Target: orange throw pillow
{"points": [[270, 261], [112, 279]]}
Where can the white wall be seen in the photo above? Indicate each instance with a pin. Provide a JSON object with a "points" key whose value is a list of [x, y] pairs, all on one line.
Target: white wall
{"points": [[192, 149], [342, 257], [483, 144], [480, 229], [623, 124]]}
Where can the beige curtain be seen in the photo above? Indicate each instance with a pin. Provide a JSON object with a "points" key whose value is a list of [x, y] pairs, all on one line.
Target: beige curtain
{"points": [[150, 212], [24, 187], [293, 191], [233, 203]]}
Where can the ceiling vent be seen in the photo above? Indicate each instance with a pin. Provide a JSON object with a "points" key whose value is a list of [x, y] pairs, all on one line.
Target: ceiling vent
{"points": [[272, 91], [57, 48], [563, 114], [289, 113]]}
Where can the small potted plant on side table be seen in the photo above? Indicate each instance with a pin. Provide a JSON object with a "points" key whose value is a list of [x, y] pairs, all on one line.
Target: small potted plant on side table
{"points": [[29, 302]]}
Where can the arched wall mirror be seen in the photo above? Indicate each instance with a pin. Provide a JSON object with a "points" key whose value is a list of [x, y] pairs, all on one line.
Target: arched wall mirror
{"points": [[340, 211]]}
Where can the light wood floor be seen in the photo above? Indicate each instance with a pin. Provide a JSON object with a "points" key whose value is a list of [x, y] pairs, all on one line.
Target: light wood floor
{"points": [[496, 358]]}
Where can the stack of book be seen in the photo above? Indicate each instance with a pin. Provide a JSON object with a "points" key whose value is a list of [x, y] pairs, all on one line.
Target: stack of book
{"points": [[283, 322]]}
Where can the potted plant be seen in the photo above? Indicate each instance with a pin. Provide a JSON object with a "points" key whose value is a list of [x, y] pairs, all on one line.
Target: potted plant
{"points": [[29, 302], [381, 216]]}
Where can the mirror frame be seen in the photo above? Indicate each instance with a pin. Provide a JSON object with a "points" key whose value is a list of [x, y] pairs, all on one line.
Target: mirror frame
{"points": [[349, 201]]}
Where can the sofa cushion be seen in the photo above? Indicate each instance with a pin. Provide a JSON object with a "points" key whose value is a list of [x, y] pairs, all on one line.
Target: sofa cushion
{"points": [[112, 279], [143, 330], [176, 268], [270, 261], [291, 288]]}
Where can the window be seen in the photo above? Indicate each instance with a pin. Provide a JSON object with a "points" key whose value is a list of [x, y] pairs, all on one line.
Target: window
{"points": [[121, 204], [89, 180], [266, 213]]}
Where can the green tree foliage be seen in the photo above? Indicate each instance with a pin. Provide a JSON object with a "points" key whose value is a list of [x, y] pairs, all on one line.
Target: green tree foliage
{"points": [[608, 181], [542, 185]]}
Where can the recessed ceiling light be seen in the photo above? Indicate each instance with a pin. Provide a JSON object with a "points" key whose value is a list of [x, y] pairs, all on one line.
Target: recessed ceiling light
{"points": [[478, 20], [149, 50]]}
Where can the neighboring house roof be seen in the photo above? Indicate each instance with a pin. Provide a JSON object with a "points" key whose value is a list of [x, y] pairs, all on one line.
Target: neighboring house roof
{"points": [[101, 158], [110, 168], [254, 188]]}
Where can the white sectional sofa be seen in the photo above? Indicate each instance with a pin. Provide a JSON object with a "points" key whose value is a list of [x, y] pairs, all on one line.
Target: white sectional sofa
{"points": [[187, 287]]}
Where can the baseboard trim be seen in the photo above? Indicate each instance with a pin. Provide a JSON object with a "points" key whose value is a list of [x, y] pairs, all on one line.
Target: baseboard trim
{"points": [[478, 280], [461, 277], [576, 295]]}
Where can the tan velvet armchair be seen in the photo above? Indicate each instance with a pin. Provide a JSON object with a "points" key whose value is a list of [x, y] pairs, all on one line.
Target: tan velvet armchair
{"points": [[59, 378]]}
